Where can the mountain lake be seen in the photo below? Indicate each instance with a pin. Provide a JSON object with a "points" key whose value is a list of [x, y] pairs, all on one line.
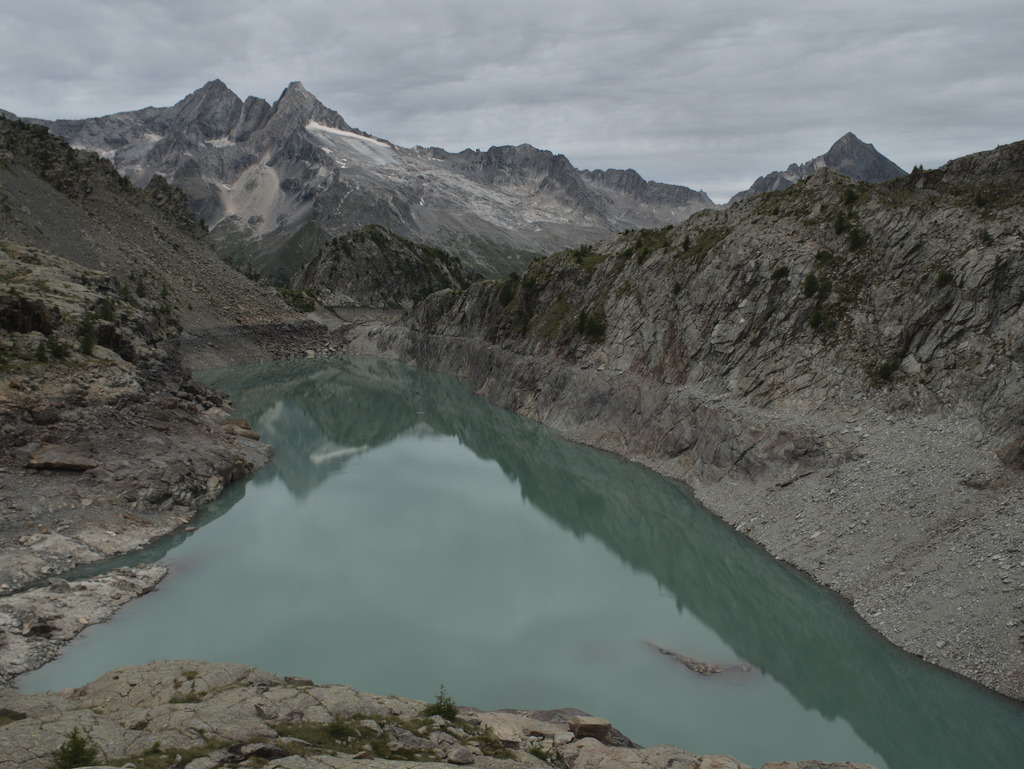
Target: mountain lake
{"points": [[408, 535]]}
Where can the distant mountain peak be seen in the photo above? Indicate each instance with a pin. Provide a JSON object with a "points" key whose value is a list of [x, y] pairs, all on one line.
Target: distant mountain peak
{"points": [[297, 106], [848, 155]]}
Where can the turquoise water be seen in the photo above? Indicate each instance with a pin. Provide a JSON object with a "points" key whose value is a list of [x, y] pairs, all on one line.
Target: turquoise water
{"points": [[408, 534]]}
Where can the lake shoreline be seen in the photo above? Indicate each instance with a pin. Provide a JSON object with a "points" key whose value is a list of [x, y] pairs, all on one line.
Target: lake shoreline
{"points": [[910, 519]]}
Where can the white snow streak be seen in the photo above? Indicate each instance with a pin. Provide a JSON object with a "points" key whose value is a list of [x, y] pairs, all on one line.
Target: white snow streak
{"points": [[312, 125]]}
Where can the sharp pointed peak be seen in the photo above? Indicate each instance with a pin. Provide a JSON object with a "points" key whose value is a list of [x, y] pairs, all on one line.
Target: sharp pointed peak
{"points": [[297, 103], [215, 90], [215, 86], [849, 139], [296, 91]]}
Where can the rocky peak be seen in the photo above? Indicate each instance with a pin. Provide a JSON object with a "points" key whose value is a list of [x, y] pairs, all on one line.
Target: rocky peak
{"points": [[296, 107], [615, 178], [849, 156], [861, 161], [213, 111]]}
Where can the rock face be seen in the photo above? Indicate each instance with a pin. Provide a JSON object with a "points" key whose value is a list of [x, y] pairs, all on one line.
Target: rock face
{"points": [[375, 268], [834, 367], [849, 156], [276, 181], [202, 715]]}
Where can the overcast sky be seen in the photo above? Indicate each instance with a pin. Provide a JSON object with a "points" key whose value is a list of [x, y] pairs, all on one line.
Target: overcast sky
{"points": [[706, 93]]}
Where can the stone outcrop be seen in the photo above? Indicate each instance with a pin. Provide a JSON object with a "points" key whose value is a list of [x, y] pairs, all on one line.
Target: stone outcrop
{"points": [[834, 368], [200, 716]]}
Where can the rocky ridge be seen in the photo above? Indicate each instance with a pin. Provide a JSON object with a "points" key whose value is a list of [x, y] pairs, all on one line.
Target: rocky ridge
{"points": [[199, 715], [275, 181], [834, 368], [849, 156], [374, 268]]}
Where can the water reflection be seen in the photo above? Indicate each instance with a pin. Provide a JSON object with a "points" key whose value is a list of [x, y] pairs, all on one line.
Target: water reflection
{"points": [[771, 616], [326, 417]]}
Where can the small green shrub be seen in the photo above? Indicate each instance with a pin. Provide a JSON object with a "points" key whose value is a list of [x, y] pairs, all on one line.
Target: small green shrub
{"points": [[88, 337], [591, 325], [943, 278], [780, 273], [106, 310], [677, 287], [885, 372], [41, 351], [858, 239], [56, 347], [811, 285], [443, 706], [76, 750], [508, 292]]}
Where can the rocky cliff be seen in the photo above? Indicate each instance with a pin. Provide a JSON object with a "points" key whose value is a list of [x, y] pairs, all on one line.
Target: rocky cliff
{"points": [[835, 367], [849, 156], [275, 181]]}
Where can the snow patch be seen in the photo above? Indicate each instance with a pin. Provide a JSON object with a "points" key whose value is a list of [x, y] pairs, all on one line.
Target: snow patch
{"points": [[223, 142], [312, 125]]}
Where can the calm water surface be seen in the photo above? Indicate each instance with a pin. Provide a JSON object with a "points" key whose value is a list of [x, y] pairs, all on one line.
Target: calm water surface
{"points": [[408, 534]]}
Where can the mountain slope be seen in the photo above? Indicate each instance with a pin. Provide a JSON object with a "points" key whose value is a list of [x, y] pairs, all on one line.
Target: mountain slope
{"points": [[849, 156], [261, 174]]}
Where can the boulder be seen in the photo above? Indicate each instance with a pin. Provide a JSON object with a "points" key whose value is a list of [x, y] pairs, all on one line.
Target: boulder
{"points": [[52, 456], [589, 726]]}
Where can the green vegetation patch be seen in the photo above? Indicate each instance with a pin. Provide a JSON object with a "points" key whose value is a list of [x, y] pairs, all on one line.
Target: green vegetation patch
{"points": [[443, 705], [76, 750], [592, 325], [586, 257], [303, 300], [159, 757], [8, 716]]}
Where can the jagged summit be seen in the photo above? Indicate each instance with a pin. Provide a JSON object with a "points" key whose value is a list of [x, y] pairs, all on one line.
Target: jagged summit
{"points": [[849, 156]]}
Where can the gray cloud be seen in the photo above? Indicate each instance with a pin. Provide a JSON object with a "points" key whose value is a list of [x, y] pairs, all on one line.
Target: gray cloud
{"points": [[707, 94]]}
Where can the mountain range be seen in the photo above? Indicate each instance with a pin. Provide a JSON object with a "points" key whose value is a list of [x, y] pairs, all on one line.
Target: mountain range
{"points": [[275, 182]]}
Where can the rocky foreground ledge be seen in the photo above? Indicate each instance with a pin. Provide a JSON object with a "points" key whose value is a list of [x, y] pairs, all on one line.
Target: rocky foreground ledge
{"points": [[200, 715]]}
